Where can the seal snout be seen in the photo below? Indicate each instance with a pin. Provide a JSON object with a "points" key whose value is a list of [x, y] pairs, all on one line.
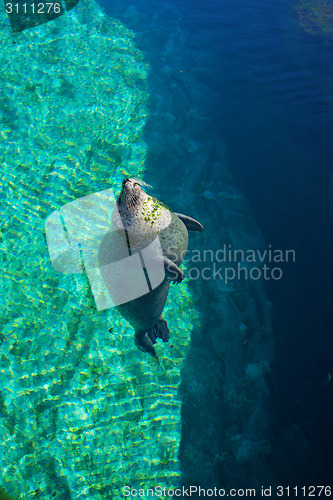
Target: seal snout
{"points": [[131, 194]]}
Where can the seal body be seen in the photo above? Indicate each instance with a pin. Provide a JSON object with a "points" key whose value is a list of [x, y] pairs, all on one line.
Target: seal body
{"points": [[139, 222]]}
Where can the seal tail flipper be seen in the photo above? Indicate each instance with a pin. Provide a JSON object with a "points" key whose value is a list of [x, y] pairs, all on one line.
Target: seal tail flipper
{"points": [[191, 224], [162, 327], [145, 340], [144, 343]]}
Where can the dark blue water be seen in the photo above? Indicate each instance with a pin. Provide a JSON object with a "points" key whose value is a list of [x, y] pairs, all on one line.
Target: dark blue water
{"points": [[268, 96]]}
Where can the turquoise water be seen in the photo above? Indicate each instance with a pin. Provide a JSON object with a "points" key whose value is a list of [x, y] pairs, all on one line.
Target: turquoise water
{"points": [[80, 406], [226, 111]]}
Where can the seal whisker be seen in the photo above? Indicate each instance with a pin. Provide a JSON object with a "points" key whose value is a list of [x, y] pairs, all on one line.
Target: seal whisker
{"points": [[141, 182], [133, 200]]}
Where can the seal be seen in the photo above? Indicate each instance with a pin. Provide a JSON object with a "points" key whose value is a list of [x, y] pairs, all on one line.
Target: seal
{"points": [[139, 221]]}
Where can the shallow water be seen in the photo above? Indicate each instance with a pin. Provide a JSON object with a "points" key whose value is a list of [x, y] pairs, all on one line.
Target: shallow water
{"points": [[226, 111]]}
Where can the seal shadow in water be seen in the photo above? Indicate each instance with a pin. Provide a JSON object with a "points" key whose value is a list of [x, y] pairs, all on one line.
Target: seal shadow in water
{"points": [[4, 495]]}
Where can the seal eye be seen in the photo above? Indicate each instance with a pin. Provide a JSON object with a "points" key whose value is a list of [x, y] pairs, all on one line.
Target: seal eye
{"points": [[136, 185]]}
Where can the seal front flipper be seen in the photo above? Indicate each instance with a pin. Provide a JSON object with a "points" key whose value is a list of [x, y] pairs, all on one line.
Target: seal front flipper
{"points": [[145, 340], [173, 273], [191, 224]]}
